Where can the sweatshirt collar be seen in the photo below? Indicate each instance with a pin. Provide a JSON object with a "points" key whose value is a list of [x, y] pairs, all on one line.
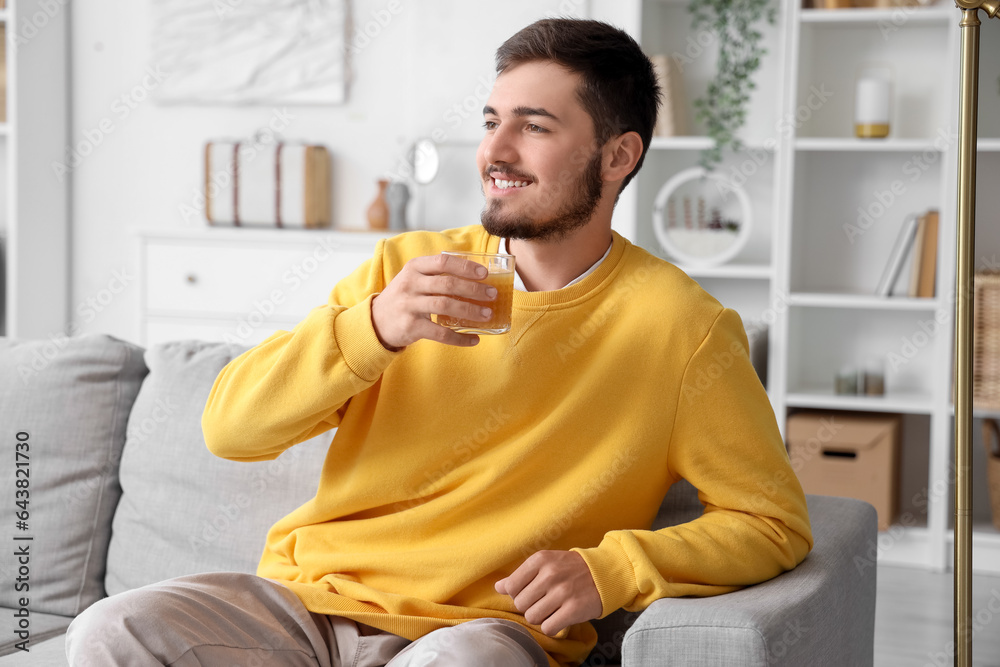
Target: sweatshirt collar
{"points": [[519, 284], [587, 284]]}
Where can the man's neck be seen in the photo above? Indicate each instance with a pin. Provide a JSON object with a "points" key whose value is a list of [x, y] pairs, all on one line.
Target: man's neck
{"points": [[551, 265]]}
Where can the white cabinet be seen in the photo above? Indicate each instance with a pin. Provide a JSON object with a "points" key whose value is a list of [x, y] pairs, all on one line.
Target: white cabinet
{"points": [[240, 285], [805, 271], [34, 189]]}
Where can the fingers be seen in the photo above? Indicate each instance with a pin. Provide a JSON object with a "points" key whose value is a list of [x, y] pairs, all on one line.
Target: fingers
{"points": [[459, 307], [454, 286], [549, 608], [426, 286], [553, 589], [529, 592], [563, 617], [456, 266], [542, 611], [431, 331], [452, 277], [521, 577]]}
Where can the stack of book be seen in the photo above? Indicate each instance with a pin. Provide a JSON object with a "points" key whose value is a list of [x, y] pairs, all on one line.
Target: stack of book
{"points": [[671, 121], [917, 246]]}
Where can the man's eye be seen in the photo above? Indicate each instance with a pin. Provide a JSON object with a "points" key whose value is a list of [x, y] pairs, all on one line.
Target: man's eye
{"points": [[536, 128], [490, 125]]}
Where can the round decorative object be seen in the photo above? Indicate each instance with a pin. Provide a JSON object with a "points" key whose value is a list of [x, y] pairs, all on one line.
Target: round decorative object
{"points": [[426, 161], [702, 219]]}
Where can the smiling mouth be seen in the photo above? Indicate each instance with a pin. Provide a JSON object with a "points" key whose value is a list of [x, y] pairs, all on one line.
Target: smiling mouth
{"points": [[506, 185]]}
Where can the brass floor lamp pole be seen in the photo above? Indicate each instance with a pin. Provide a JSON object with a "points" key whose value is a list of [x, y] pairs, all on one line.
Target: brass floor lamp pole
{"points": [[965, 265]]}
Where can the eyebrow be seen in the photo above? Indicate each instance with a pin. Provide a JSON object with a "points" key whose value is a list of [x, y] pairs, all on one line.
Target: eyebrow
{"points": [[521, 112]]}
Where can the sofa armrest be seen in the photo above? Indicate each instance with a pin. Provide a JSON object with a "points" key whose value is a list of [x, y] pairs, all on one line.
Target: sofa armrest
{"points": [[820, 613]]}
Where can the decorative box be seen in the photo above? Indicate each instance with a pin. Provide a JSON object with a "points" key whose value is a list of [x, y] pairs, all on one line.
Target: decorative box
{"points": [[277, 184]]}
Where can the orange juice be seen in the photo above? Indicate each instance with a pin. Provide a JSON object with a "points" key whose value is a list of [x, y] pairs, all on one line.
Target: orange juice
{"points": [[499, 323]]}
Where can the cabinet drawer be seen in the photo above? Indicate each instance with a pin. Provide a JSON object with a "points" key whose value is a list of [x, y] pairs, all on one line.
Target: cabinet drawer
{"points": [[218, 281]]}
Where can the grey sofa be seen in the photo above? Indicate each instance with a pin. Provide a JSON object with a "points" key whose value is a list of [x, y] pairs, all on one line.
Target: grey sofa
{"points": [[121, 492]]}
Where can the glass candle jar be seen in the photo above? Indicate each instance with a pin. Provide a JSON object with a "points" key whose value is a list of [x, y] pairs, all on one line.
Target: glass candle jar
{"points": [[871, 107]]}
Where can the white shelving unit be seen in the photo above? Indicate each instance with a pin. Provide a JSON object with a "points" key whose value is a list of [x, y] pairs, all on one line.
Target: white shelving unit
{"points": [[802, 272], [34, 215]]}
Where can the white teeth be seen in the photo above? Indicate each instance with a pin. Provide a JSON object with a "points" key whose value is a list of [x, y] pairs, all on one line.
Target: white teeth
{"points": [[503, 185]]}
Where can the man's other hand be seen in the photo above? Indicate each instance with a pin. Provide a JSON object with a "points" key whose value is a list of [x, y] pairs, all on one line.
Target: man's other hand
{"points": [[553, 589], [434, 284]]}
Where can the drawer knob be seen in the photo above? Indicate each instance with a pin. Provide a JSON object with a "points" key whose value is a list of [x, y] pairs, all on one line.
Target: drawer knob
{"points": [[191, 278]]}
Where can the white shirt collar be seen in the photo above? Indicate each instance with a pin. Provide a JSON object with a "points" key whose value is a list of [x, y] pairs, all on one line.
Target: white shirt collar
{"points": [[519, 284]]}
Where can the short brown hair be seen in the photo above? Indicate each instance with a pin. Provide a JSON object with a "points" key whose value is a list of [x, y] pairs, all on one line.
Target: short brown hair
{"points": [[618, 89]]}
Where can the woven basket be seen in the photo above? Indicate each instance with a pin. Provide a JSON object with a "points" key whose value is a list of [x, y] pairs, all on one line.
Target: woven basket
{"points": [[986, 342], [991, 440], [986, 374]]}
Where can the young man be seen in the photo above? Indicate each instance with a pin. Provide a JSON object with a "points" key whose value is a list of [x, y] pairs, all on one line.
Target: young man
{"points": [[484, 498]]}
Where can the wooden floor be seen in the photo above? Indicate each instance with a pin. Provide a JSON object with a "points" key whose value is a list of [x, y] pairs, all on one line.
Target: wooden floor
{"points": [[913, 619]]}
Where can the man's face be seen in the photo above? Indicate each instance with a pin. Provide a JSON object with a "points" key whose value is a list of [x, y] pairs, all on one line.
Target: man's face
{"points": [[539, 162]]}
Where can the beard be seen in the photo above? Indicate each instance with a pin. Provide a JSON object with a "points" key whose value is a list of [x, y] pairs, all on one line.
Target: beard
{"points": [[575, 213]]}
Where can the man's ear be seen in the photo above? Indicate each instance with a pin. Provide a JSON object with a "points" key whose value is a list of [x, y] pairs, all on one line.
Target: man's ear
{"points": [[621, 154]]}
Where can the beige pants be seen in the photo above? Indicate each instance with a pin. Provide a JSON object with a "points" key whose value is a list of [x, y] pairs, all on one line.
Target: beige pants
{"points": [[230, 619]]}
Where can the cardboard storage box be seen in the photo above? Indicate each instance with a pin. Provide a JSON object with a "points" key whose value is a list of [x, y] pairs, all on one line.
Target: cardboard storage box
{"points": [[848, 454]]}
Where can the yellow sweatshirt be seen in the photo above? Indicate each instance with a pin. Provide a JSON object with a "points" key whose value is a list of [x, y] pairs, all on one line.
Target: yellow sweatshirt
{"points": [[451, 465]]}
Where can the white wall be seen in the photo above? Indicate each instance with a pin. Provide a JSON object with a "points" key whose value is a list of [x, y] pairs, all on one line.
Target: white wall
{"points": [[416, 76]]}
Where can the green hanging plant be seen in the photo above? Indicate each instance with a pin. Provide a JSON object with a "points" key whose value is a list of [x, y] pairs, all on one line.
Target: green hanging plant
{"points": [[723, 109]]}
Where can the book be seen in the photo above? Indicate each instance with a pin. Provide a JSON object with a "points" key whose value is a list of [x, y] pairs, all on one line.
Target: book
{"points": [[928, 256], [918, 251], [672, 118], [897, 257]]}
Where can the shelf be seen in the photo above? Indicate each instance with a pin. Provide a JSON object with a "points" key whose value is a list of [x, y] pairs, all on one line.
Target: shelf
{"points": [[895, 16], [700, 143], [739, 271], [680, 143], [861, 301], [978, 413], [901, 401], [848, 144]]}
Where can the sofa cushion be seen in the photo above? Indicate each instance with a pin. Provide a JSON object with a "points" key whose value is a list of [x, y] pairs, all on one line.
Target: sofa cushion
{"points": [[183, 510], [69, 399]]}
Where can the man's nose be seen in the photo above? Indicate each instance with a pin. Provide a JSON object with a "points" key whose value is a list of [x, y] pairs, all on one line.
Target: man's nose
{"points": [[500, 147]]}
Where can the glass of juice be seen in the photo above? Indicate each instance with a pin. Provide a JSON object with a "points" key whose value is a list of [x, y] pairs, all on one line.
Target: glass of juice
{"points": [[501, 276]]}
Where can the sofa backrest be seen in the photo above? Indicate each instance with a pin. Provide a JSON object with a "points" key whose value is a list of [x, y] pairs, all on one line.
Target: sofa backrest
{"points": [[64, 404], [184, 510]]}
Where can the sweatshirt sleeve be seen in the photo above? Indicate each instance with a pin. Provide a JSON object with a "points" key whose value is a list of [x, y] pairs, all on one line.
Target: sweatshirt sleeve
{"points": [[726, 442], [293, 386]]}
